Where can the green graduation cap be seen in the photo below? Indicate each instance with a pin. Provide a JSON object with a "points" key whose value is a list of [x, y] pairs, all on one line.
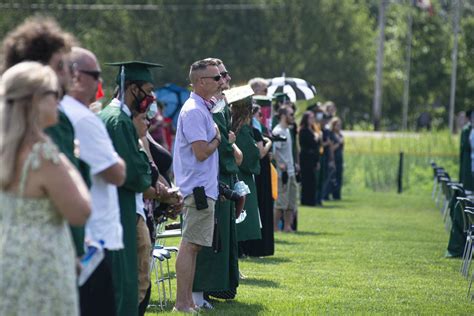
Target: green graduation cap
{"points": [[135, 70], [281, 97], [262, 100]]}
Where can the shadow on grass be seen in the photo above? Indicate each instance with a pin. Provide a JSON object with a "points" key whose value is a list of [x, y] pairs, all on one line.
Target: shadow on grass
{"points": [[268, 260], [154, 307], [284, 242], [234, 307], [309, 233], [229, 307], [259, 282]]}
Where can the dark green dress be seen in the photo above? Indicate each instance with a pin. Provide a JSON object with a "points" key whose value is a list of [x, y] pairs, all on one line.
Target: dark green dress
{"points": [[249, 229], [62, 135], [219, 271], [465, 174], [125, 271]]}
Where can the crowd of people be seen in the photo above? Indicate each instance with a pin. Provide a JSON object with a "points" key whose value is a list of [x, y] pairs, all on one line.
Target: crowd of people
{"points": [[74, 174]]}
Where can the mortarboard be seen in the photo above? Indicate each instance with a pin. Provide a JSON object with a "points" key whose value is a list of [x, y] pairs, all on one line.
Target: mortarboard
{"points": [[135, 70], [281, 97], [238, 93], [262, 100]]}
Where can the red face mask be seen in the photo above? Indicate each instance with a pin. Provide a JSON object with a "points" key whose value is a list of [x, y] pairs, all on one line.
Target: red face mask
{"points": [[143, 104]]}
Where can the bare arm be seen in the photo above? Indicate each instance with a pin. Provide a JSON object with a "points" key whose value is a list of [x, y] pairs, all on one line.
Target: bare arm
{"points": [[67, 191], [238, 155], [264, 149], [115, 174], [202, 149]]}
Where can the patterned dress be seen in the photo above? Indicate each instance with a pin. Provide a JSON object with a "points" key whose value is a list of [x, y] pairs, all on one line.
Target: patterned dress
{"points": [[37, 259]]}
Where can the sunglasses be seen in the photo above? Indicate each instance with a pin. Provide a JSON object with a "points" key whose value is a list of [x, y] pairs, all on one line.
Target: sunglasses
{"points": [[215, 78], [93, 73], [224, 74]]}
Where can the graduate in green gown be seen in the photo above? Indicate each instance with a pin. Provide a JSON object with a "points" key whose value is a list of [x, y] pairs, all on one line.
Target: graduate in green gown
{"points": [[62, 135], [249, 229], [134, 96], [217, 270], [465, 173]]}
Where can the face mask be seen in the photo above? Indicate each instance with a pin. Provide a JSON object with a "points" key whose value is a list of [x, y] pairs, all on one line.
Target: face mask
{"points": [[219, 106], [142, 105], [152, 111], [319, 116]]}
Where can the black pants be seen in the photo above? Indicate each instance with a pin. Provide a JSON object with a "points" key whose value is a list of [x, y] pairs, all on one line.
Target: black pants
{"points": [[97, 294]]}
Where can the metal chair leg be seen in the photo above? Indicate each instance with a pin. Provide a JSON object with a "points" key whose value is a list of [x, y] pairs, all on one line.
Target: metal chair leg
{"points": [[464, 253]]}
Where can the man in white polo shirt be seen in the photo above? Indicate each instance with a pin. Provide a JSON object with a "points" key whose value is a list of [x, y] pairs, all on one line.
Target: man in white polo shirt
{"points": [[107, 171]]}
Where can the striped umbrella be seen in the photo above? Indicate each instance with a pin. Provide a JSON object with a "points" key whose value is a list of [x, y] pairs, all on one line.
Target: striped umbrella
{"points": [[296, 88]]}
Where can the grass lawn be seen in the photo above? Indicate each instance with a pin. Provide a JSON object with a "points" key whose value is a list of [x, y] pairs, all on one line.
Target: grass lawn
{"points": [[372, 253]]}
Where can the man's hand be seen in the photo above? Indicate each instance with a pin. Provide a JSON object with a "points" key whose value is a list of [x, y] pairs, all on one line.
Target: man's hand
{"points": [[282, 167], [218, 133], [166, 195], [175, 209], [231, 137]]}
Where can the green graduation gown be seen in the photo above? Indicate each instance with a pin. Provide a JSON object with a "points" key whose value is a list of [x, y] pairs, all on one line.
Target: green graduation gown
{"points": [[62, 135], [465, 174], [125, 271], [219, 271], [249, 229]]}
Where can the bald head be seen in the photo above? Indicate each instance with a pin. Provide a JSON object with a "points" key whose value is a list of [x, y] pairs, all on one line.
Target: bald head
{"points": [[82, 58], [86, 74]]}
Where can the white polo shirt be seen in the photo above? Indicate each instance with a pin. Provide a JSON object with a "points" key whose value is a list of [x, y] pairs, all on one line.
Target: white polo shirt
{"points": [[97, 150]]}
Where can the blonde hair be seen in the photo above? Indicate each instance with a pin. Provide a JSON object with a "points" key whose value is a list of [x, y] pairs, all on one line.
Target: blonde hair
{"points": [[21, 89]]}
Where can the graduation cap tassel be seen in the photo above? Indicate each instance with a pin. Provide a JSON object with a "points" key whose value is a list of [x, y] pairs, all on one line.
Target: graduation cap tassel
{"points": [[122, 86]]}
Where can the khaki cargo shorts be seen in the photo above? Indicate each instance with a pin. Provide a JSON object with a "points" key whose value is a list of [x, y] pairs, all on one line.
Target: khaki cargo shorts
{"points": [[198, 225], [287, 194]]}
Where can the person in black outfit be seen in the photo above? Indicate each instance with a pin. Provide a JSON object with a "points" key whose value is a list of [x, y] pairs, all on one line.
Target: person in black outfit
{"points": [[337, 148], [309, 158]]}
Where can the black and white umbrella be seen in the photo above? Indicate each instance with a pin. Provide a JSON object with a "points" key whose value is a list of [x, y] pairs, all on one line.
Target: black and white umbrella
{"points": [[296, 88]]}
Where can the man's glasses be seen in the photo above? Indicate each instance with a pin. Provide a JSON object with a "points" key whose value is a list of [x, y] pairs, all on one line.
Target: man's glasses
{"points": [[224, 74], [93, 73], [215, 78]]}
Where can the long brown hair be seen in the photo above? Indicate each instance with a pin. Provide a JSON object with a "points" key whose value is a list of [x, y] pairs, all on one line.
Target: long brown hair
{"points": [[241, 113], [304, 123]]}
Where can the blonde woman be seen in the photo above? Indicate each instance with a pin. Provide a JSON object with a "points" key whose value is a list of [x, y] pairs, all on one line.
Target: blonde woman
{"points": [[39, 192]]}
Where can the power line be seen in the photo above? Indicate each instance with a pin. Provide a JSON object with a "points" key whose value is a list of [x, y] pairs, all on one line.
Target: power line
{"points": [[140, 7]]}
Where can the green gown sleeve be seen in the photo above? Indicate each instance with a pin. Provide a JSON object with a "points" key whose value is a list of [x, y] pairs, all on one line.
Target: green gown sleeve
{"points": [[125, 140], [246, 143], [227, 162], [62, 134]]}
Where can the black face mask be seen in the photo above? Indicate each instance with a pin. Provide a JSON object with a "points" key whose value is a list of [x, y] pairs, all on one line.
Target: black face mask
{"points": [[142, 105]]}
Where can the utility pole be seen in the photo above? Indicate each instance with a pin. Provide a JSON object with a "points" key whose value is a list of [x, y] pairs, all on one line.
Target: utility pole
{"points": [[406, 81], [377, 106], [454, 61]]}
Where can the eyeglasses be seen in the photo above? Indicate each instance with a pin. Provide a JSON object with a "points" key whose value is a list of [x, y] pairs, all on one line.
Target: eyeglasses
{"points": [[215, 78], [224, 74], [93, 73], [54, 93]]}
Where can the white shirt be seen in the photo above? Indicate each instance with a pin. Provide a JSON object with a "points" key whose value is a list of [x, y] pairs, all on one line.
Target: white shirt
{"points": [[97, 151], [284, 150], [140, 205]]}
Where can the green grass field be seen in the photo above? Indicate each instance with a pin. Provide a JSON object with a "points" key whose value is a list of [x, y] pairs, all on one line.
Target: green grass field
{"points": [[372, 253]]}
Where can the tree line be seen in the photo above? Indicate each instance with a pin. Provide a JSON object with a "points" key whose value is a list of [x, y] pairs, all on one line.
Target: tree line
{"points": [[332, 44]]}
